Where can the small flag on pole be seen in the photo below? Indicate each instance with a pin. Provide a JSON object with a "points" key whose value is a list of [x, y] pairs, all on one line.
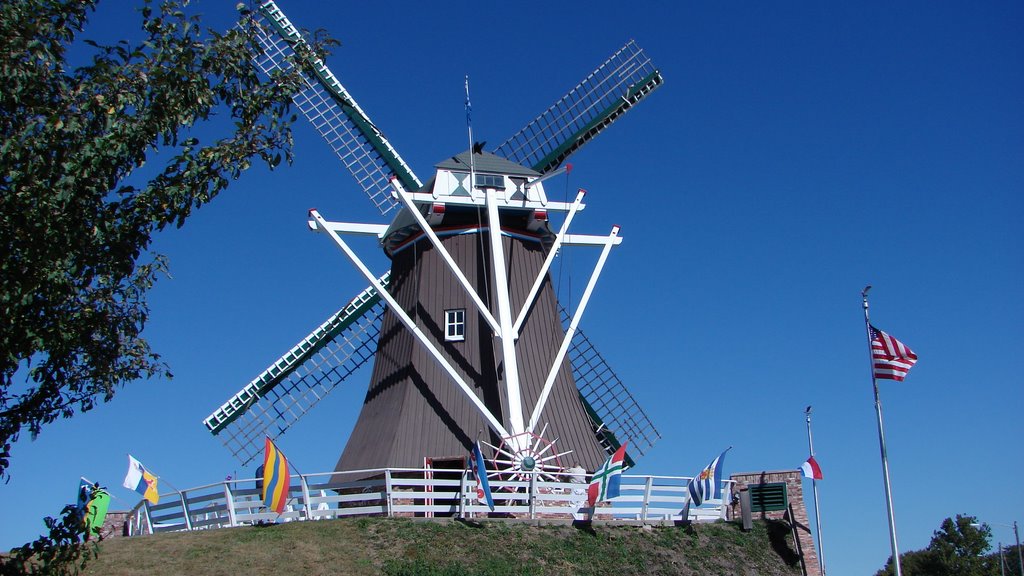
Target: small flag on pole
{"points": [[84, 495], [92, 506], [891, 359], [604, 484], [276, 479], [708, 484], [469, 107], [141, 480], [483, 487], [810, 469]]}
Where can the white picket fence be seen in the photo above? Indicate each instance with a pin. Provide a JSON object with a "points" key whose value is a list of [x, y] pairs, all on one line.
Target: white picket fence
{"points": [[419, 493]]}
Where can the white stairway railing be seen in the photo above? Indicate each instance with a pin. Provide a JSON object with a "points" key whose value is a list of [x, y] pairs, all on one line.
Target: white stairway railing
{"points": [[419, 492]]}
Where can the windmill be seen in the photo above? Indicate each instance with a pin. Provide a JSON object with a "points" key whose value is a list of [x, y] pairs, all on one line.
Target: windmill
{"points": [[465, 330]]}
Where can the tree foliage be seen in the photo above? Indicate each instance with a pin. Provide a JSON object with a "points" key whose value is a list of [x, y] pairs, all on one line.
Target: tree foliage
{"points": [[78, 202], [957, 548], [64, 549]]}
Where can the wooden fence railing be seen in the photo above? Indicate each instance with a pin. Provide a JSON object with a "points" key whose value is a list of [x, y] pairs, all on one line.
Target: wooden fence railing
{"points": [[418, 492]]}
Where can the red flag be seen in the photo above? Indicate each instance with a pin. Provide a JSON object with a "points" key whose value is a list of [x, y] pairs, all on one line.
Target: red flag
{"points": [[891, 359], [811, 469]]}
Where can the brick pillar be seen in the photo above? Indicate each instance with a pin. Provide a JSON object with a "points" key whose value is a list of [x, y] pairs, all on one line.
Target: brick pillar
{"points": [[795, 516], [115, 524]]}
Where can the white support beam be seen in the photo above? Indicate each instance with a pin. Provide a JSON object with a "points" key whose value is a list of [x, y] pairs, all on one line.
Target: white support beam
{"points": [[426, 197], [357, 228], [611, 240], [539, 281], [504, 305], [452, 265], [324, 226], [587, 240], [552, 174]]}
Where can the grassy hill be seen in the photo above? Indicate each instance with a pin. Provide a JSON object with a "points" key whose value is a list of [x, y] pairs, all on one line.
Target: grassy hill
{"points": [[398, 546]]}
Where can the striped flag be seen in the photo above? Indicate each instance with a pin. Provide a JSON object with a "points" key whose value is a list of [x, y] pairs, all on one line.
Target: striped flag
{"points": [[890, 358], [275, 477], [708, 484], [810, 469], [483, 487], [604, 484]]}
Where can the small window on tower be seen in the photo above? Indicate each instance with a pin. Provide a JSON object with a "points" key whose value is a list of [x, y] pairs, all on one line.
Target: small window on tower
{"points": [[455, 325], [490, 181]]}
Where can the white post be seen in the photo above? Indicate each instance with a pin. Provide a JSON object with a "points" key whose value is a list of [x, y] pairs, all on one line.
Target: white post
{"points": [[726, 497], [387, 489], [149, 517], [305, 498], [533, 495], [134, 521], [647, 498], [229, 502], [507, 332], [463, 497], [185, 511]]}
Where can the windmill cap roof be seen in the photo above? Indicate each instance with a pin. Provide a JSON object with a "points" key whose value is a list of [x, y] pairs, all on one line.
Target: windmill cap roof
{"points": [[486, 162]]}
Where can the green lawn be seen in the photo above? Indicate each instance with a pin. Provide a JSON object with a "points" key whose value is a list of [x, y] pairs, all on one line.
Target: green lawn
{"points": [[491, 548]]}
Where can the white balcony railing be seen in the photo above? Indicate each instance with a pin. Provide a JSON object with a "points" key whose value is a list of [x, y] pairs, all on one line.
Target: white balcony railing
{"points": [[419, 492]]}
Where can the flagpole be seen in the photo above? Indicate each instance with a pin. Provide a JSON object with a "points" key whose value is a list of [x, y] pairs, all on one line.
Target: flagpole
{"points": [[159, 477], [881, 439], [469, 127], [97, 485], [814, 487]]}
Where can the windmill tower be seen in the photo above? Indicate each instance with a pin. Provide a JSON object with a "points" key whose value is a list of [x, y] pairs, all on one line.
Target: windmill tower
{"points": [[465, 329]]}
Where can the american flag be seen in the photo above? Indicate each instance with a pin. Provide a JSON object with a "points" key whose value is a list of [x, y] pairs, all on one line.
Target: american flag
{"points": [[890, 358]]}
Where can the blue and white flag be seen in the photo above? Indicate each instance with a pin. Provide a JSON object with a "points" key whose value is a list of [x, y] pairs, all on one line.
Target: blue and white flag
{"points": [[708, 484], [483, 487], [469, 107]]}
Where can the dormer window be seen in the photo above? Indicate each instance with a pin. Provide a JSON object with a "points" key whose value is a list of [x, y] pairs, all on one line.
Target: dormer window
{"points": [[490, 181]]}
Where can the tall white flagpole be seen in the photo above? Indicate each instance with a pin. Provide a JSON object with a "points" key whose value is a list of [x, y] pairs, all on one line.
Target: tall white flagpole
{"points": [[469, 127], [814, 487], [881, 439]]}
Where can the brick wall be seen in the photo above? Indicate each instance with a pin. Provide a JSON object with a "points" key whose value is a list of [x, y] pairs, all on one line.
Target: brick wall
{"points": [[795, 517], [115, 524]]}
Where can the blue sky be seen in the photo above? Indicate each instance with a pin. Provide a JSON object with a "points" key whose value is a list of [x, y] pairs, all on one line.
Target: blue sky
{"points": [[795, 153]]}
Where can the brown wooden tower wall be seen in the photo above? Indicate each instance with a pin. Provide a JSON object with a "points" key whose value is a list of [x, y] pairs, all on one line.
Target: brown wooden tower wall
{"points": [[414, 411]]}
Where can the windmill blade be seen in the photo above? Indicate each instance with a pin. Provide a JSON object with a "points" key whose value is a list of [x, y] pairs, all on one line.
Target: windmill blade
{"points": [[362, 148], [292, 385], [616, 416], [601, 98]]}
